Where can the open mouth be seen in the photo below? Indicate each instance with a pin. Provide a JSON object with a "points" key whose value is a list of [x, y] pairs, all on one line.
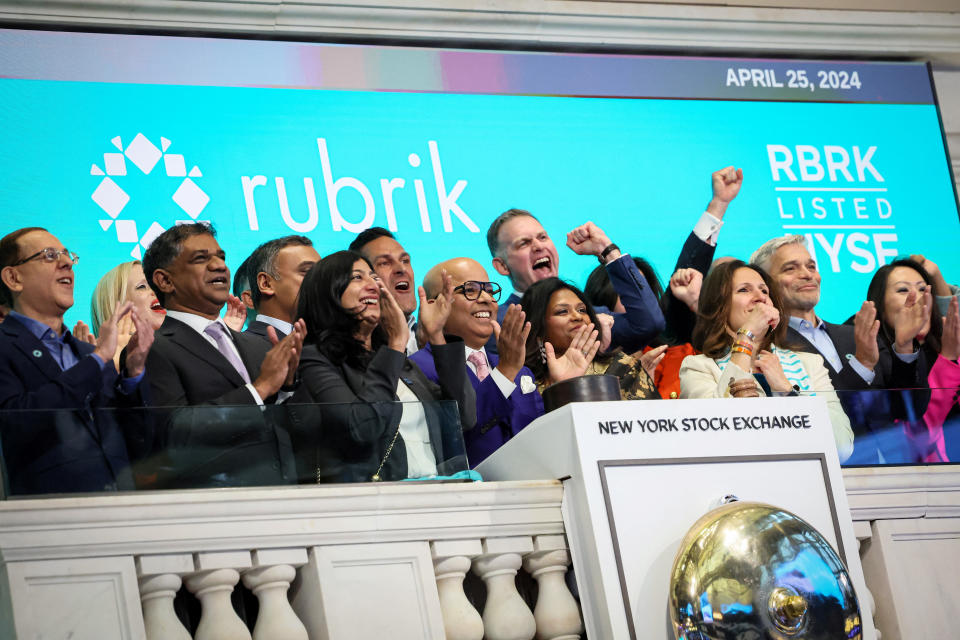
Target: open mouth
{"points": [[219, 280], [543, 264], [369, 301], [481, 315], [65, 280], [402, 286], [156, 308]]}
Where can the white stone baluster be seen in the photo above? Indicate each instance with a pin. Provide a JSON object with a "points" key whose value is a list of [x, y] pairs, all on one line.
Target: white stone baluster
{"points": [[269, 580], [451, 561], [868, 606], [159, 579], [556, 612], [505, 616], [213, 585]]}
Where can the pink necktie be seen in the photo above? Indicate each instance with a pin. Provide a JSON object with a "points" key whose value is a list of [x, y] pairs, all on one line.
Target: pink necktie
{"points": [[479, 360], [225, 345]]}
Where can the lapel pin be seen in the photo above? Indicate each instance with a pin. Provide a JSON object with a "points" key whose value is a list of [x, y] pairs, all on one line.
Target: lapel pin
{"points": [[37, 353]]}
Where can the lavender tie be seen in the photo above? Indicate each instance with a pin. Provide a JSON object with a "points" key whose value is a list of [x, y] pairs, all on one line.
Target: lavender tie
{"points": [[480, 362], [225, 344]]}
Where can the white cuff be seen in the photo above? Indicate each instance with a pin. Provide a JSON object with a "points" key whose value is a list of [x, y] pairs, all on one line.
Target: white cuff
{"points": [[708, 228], [253, 392], [862, 370], [907, 357], [506, 386]]}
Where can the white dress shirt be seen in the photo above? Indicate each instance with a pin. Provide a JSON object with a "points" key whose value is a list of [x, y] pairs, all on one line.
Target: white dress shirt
{"points": [[506, 386], [276, 323]]}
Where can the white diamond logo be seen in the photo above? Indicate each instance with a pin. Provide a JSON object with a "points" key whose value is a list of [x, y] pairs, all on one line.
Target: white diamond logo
{"points": [[174, 164], [143, 153], [110, 197], [127, 231], [151, 235], [115, 164], [191, 198]]}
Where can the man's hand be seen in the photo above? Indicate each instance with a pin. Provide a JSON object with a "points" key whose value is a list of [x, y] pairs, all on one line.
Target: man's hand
{"points": [[82, 333], [726, 185], [434, 313], [909, 322], [685, 285], [578, 356], [107, 344], [590, 240], [279, 366], [512, 341], [236, 313], [940, 286], [950, 344], [300, 331], [138, 344], [606, 330], [865, 328]]}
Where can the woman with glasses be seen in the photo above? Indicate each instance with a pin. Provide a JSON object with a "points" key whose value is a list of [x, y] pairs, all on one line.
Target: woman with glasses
{"points": [[562, 341], [376, 417]]}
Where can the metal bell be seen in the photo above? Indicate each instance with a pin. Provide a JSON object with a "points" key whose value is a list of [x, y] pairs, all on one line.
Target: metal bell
{"points": [[751, 571]]}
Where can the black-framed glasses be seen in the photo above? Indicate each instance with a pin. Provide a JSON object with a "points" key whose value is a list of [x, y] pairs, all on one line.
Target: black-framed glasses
{"points": [[51, 255], [471, 289]]}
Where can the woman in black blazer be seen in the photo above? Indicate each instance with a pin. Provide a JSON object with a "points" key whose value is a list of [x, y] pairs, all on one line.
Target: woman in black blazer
{"points": [[355, 368]]}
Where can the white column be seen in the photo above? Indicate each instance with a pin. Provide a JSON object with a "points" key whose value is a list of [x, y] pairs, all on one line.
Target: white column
{"points": [[556, 612], [868, 606], [159, 578], [213, 584], [451, 561], [505, 616], [270, 580]]}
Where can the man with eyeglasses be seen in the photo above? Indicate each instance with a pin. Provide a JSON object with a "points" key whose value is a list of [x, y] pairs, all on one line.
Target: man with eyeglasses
{"points": [[507, 397], [63, 442]]}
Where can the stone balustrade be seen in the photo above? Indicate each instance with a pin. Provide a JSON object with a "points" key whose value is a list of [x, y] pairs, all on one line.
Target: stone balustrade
{"points": [[351, 561]]}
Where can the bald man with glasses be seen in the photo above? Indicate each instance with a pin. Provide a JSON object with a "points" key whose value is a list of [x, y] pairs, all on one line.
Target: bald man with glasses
{"points": [[507, 397], [65, 441]]}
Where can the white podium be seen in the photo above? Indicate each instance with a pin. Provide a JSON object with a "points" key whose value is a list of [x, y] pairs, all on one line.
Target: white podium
{"points": [[637, 475]]}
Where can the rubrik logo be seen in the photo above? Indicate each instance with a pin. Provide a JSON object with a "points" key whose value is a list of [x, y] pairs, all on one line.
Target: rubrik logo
{"points": [[145, 156]]}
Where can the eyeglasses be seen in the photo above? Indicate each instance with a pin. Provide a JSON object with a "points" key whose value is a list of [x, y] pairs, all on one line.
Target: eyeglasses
{"points": [[471, 289], [51, 255]]}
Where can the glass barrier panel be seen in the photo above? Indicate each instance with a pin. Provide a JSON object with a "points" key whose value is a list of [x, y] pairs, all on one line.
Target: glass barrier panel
{"points": [[50, 452]]}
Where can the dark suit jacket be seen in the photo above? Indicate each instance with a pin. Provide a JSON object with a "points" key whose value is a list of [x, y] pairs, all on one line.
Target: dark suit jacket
{"points": [[73, 433], [224, 438], [632, 330], [259, 328], [843, 339], [351, 431], [498, 418], [695, 254]]}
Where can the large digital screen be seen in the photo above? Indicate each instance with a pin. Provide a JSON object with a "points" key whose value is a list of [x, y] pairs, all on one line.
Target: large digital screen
{"points": [[109, 139]]}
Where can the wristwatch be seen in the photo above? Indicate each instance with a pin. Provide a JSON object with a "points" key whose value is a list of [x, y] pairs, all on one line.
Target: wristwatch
{"points": [[607, 251]]}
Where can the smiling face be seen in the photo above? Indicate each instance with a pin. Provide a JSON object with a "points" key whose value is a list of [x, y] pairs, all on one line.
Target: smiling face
{"points": [[527, 253], [471, 320], [361, 298], [796, 272], [198, 280], [906, 287], [392, 264], [142, 296], [565, 314], [749, 290], [42, 290]]}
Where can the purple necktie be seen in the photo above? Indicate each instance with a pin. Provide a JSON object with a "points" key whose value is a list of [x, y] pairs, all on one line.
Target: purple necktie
{"points": [[225, 344]]}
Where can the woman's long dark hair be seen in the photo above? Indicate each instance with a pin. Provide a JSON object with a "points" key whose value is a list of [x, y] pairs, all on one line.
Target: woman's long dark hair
{"points": [[876, 293], [329, 326], [710, 334], [536, 304]]}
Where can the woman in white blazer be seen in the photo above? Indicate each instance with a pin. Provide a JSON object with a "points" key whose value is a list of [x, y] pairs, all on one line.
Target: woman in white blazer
{"points": [[738, 331]]}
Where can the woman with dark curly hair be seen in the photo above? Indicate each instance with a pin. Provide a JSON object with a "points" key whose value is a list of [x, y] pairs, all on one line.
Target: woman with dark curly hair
{"points": [[740, 337], [378, 418], [563, 342]]}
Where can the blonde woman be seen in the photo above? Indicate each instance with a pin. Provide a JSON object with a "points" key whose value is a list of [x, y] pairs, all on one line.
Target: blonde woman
{"points": [[125, 282]]}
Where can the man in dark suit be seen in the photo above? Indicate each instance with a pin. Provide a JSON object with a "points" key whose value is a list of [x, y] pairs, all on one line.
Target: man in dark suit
{"points": [[277, 268], [392, 264], [857, 363], [507, 397], [73, 434], [197, 360], [523, 251]]}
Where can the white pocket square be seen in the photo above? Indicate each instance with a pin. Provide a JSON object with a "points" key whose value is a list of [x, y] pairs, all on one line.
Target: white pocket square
{"points": [[527, 384]]}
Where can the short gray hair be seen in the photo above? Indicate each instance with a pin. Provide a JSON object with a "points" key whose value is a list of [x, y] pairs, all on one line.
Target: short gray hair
{"points": [[763, 256]]}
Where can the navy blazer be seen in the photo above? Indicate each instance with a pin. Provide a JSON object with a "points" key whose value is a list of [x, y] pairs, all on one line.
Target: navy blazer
{"points": [[498, 418], [72, 434], [632, 330], [695, 254], [259, 328]]}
